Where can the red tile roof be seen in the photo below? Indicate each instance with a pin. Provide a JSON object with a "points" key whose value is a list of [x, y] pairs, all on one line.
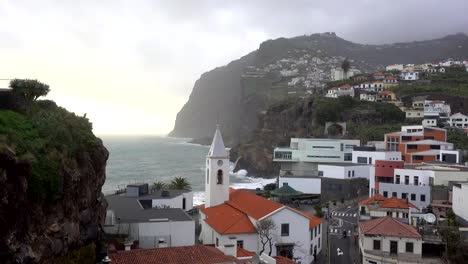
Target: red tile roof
{"points": [[283, 260], [395, 202], [379, 74], [242, 253], [232, 217], [376, 198], [226, 219], [385, 92], [345, 86], [198, 254], [313, 220], [251, 204], [387, 226]]}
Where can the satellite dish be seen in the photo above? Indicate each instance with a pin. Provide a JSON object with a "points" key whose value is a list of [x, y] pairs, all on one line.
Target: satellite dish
{"points": [[430, 218]]}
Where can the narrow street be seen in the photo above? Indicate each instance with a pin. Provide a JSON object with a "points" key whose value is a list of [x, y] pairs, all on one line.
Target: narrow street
{"points": [[342, 250]]}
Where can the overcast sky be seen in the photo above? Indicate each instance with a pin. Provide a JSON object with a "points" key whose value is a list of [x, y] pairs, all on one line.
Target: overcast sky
{"points": [[131, 65]]}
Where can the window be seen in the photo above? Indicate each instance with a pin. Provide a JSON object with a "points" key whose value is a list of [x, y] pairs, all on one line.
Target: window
{"points": [[320, 173], [319, 242], [393, 247], [362, 160], [318, 229], [376, 245], [220, 177], [423, 198], [349, 174], [406, 179], [389, 213], [352, 174], [394, 194], [184, 202], [217, 242], [311, 250], [435, 146], [284, 229], [397, 179], [323, 147], [413, 197], [240, 243], [348, 156], [370, 160], [207, 176], [412, 146], [409, 247], [418, 157], [404, 195], [416, 180]]}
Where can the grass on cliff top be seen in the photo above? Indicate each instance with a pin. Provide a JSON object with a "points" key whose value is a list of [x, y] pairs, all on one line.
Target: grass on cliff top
{"points": [[47, 136]]}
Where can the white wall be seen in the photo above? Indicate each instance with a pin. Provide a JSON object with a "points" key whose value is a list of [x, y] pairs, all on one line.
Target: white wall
{"points": [[367, 243], [176, 202], [344, 172], [298, 233], [460, 201], [302, 184], [178, 233], [424, 176], [443, 177], [372, 156], [409, 189]]}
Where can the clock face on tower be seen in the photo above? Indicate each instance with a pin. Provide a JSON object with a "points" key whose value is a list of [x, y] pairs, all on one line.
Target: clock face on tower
{"points": [[220, 163]]}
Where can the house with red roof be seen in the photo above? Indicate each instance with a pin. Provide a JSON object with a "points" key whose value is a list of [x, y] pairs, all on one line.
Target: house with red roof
{"points": [[387, 240], [232, 217], [379, 206]]}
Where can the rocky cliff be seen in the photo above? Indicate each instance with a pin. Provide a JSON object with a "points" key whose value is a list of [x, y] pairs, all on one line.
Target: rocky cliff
{"points": [[236, 93], [52, 169]]}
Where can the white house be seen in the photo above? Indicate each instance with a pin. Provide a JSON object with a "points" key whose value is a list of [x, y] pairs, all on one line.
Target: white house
{"points": [[436, 108], [343, 90], [367, 96], [460, 201], [380, 206], [409, 75], [430, 122], [364, 155], [387, 240], [237, 215], [458, 120], [170, 198], [303, 155], [344, 170], [151, 227], [309, 185], [338, 74]]}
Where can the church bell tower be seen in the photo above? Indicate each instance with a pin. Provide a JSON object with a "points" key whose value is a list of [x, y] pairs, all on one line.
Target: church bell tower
{"points": [[217, 172]]}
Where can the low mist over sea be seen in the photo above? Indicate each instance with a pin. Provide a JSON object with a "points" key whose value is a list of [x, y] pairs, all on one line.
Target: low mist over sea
{"points": [[150, 158]]}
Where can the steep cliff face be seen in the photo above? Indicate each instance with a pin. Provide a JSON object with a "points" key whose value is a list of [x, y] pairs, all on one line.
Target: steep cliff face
{"points": [[52, 169], [233, 95]]}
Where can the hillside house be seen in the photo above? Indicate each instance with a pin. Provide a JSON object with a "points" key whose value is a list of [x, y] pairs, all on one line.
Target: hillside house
{"points": [[409, 75], [368, 96], [390, 81], [458, 120], [386, 96]]}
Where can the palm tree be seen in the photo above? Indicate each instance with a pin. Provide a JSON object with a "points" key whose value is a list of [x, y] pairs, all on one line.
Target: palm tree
{"points": [[345, 66], [158, 185], [180, 183]]}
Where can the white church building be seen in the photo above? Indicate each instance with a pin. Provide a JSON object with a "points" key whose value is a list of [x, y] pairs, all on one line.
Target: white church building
{"points": [[231, 218]]}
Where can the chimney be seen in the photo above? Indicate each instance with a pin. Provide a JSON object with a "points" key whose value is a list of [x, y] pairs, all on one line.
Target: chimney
{"points": [[128, 246], [230, 250]]}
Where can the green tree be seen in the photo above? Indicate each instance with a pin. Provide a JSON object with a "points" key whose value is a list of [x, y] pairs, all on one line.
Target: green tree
{"points": [[29, 89], [345, 65], [180, 183], [159, 185]]}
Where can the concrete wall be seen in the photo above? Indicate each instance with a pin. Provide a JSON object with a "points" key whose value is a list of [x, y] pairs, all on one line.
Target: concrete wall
{"points": [[337, 189], [303, 184], [460, 201], [425, 176], [344, 172], [417, 190], [443, 177], [366, 243], [372, 156], [250, 240], [176, 202], [175, 233], [299, 233]]}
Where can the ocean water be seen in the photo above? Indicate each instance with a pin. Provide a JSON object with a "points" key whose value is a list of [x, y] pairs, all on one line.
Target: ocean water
{"points": [[150, 158]]}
